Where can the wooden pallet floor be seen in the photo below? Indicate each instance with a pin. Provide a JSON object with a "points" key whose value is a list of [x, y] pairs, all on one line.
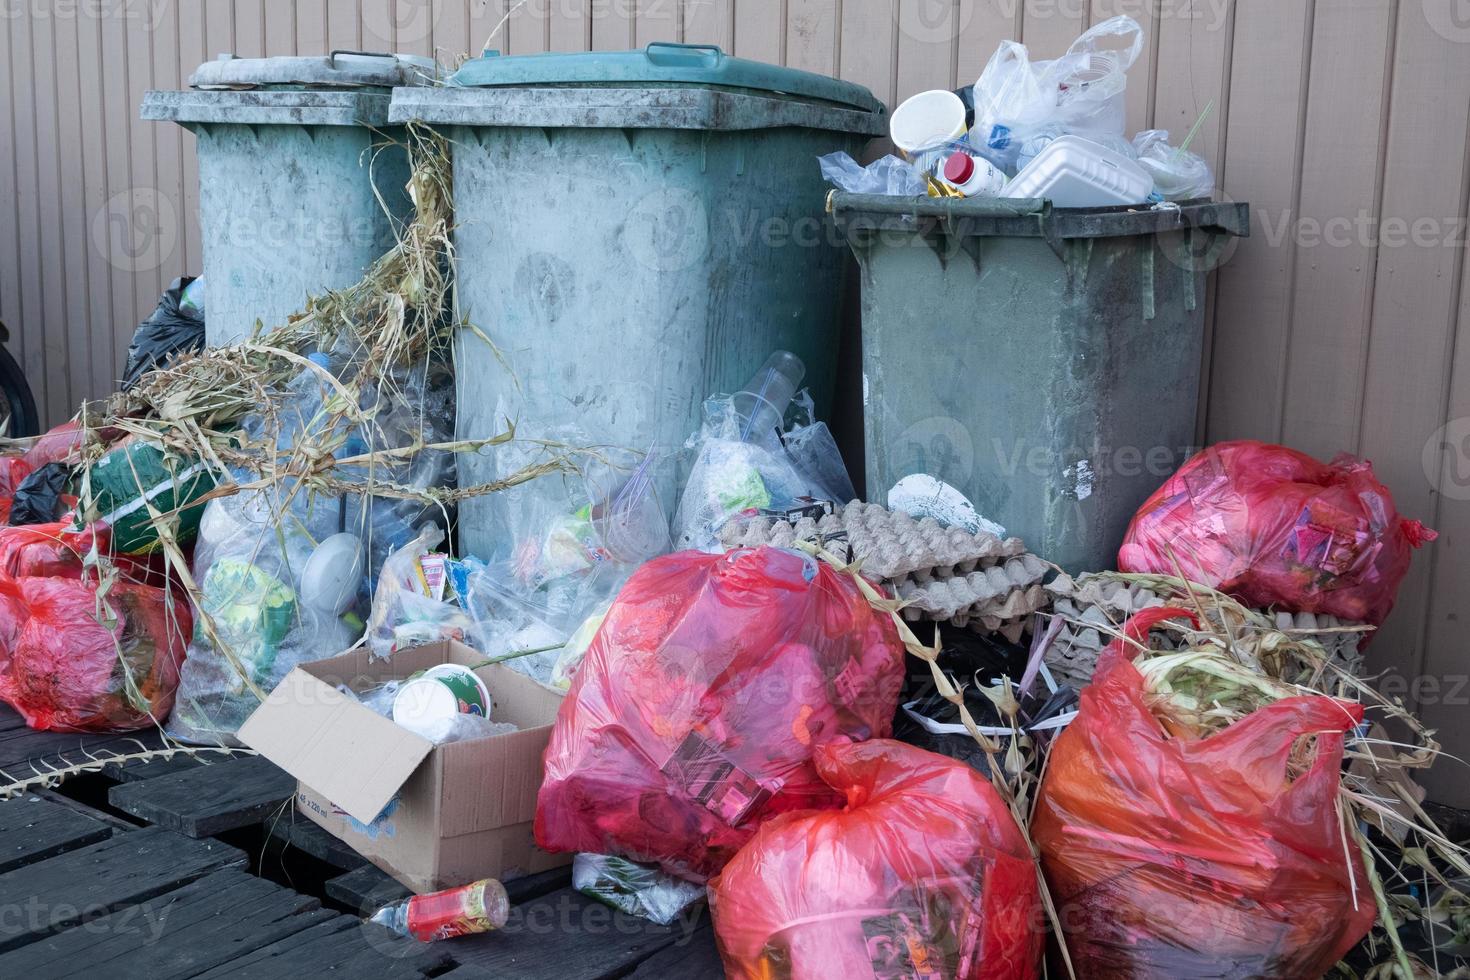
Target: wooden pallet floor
{"points": [[144, 887]]}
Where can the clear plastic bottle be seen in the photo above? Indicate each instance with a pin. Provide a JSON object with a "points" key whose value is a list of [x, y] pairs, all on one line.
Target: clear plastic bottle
{"points": [[761, 404], [480, 906]]}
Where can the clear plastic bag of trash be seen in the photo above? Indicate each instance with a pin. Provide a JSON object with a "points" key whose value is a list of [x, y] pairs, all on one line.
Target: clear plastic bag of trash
{"points": [[890, 176], [253, 549], [409, 604], [413, 407], [731, 475], [1018, 100], [637, 889], [1178, 174], [577, 537]]}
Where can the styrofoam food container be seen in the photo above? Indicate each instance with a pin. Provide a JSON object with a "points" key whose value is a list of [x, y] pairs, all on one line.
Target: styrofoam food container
{"points": [[1073, 172]]}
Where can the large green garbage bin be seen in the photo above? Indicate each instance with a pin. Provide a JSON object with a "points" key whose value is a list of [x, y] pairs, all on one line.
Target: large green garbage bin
{"points": [[300, 181], [635, 231], [1044, 361]]}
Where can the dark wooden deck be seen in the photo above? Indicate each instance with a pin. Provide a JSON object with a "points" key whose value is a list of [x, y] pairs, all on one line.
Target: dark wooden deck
{"points": [[183, 868]]}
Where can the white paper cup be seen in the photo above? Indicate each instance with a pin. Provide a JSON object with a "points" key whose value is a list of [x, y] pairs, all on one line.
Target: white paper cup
{"points": [[925, 124]]}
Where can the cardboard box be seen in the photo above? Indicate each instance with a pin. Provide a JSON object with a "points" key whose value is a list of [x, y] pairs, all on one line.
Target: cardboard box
{"points": [[431, 816]]}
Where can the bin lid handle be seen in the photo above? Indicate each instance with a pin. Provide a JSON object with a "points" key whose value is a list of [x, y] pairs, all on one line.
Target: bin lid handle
{"points": [[708, 54], [332, 58]]}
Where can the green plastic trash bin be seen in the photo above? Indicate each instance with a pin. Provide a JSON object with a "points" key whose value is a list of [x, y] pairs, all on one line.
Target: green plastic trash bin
{"points": [[636, 230], [300, 181], [1044, 361]]}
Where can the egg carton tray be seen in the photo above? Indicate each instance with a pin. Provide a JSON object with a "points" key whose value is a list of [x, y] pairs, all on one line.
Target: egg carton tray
{"points": [[975, 581], [1092, 607], [891, 544]]}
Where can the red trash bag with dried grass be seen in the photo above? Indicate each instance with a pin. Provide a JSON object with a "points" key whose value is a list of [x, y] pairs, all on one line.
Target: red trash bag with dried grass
{"points": [[1276, 528], [78, 653], [696, 710], [924, 873], [1222, 856]]}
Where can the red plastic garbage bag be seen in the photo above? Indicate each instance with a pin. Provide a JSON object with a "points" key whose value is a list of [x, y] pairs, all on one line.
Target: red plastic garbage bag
{"points": [[923, 874], [694, 715], [1178, 857], [48, 549], [75, 656], [1274, 527]]}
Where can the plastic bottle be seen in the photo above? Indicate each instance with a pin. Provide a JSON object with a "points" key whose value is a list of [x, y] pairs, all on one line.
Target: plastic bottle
{"points": [[761, 404], [481, 906], [973, 176]]}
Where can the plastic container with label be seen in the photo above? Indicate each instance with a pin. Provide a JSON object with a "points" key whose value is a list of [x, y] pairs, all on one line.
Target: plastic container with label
{"points": [[973, 176]]}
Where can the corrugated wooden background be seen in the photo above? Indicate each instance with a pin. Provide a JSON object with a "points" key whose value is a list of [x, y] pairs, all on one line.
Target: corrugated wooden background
{"points": [[1344, 122]]}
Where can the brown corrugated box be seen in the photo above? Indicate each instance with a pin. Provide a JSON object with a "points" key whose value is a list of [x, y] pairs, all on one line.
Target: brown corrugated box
{"points": [[431, 816]]}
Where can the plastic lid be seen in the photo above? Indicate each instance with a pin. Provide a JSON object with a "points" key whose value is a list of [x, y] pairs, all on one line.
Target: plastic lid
{"points": [[661, 63], [338, 70], [959, 168], [330, 580]]}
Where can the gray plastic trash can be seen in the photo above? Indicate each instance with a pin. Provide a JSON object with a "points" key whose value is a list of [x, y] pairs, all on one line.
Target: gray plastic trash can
{"points": [[293, 159], [1044, 361], [636, 231]]}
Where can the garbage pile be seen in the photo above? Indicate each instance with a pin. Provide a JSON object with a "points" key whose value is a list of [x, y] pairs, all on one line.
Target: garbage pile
{"points": [[1034, 129], [881, 738]]}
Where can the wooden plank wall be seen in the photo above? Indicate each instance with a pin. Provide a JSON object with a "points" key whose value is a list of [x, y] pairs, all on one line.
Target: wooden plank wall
{"points": [[1341, 325]]}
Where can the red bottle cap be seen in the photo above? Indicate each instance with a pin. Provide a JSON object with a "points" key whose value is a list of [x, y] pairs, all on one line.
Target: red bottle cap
{"points": [[959, 168]]}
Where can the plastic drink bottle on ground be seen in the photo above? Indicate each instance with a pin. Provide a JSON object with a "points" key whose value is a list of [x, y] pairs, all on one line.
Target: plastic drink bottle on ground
{"points": [[481, 906]]}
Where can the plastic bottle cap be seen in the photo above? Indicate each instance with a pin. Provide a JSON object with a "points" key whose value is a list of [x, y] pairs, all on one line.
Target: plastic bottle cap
{"points": [[959, 168]]}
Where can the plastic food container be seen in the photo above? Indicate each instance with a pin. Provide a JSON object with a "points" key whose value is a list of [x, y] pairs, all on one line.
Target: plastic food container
{"points": [[1073, 172], [426, 702]]}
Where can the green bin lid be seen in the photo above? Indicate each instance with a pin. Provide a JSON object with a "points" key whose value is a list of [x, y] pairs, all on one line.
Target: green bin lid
{"points": [[662, 63]]}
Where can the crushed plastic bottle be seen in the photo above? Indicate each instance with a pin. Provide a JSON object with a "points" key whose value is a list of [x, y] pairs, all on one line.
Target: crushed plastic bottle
{"points": [[480, 906]]}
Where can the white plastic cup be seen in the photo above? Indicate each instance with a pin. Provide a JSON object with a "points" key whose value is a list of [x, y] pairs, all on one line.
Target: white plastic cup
{"points": [[427, 703], [925, 124]]}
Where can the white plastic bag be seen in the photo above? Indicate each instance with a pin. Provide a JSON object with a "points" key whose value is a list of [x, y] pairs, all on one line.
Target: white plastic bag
{"points": [[1179, 175], [1019, 102], [890, 176]]}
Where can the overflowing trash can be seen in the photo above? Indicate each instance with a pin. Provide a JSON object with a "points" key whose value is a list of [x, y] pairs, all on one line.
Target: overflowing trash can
{"points": [[636, 230], [300, 181], [1044, 361]]}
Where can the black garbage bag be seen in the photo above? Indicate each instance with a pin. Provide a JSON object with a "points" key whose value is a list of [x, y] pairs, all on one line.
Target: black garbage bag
{"points": [[172, 328], [38, 498]]}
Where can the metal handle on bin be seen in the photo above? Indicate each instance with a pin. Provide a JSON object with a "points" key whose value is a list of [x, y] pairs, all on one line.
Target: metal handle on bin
{"points": [[684, 49]]}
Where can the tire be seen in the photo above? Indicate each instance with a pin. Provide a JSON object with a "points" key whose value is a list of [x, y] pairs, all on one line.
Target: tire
{"points": [[16, 397]]}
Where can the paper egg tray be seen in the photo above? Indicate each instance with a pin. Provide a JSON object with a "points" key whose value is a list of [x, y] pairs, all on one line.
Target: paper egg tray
{"points": [[1091, 607], [975, 581]]}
